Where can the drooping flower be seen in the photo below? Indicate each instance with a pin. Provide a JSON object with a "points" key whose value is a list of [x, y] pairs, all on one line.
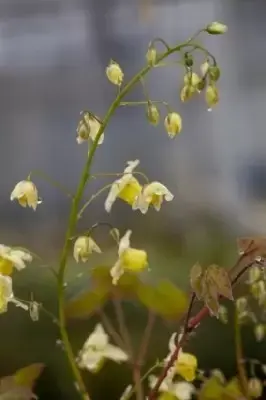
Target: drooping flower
{"points": [[130, 259], [186, 364], [26, 193], [83, 247], [173, 124], [6, 294], [88, 128], [171, 390], [11, 257], [152, 194], [114, 73], [126, 188], [97, 349], [211, 96]]}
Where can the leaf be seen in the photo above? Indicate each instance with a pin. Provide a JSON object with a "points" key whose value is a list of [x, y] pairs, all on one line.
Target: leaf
{"points": [[211, 297], [126, 286], [212, 389], [196, 280], [221, 279], [165, 299], [232, 391], [87, 303], [28, 375]]}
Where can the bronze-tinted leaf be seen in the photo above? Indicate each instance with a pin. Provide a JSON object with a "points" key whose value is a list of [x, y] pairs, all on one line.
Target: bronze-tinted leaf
{"points": [[221, 279], [165, 299], [87, 303], [196, 277], [211, 296], [212, 389]]}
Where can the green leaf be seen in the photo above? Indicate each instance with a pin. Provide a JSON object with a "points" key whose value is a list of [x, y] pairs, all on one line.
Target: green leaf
{"points": [[87, 303], [232, 390], [126, 286], [221, 279], [212, 389], [196, 280], [165, 299], [28, 375]]}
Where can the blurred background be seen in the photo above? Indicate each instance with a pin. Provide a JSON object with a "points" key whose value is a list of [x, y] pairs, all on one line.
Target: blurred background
{"points": [[53, 55]]}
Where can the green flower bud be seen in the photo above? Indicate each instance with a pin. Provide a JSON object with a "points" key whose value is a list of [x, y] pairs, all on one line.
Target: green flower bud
{"points": [[151, 55], [187, 92], [153, 114], [216, 28], [259, 332], [211, 96], [241, 304], [205, 67], [114, 73], [173, 124], [188, 60], [191, 79], [201, 85], [255, 388], [214, 73]]}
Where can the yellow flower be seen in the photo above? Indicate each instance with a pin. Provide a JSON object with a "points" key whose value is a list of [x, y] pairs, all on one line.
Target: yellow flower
{"points": [[130, 259], [10, 258], [88, 128], [114, 73], [83, 247], [173, 124], [186, 366], [187, 92], [152, 194], [26, 193], [126, 188]]}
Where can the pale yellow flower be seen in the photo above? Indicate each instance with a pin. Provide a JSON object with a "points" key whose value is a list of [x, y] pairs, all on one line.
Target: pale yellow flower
{"points": [[97, 349], [126, 188], [83, 247], [173, 124], [6, 294], [130, 259], [191, 79], [170, 390], [114, 73], [152, 194], [186, 364], [10, 258], [26, 193], [88, 128]]}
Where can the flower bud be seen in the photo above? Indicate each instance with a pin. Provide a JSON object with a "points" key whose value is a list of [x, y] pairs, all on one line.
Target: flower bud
{"points": [[188, 60], [151, 55], [259, 332], [254, 274], [114, 73], [255, 388], [191, 79], [153, 114], [173, 124], [258, 289], [186, 93], [211, 96], [219, 375], [241, 304], [216, 28], [204, 68], [223, 314], [214, 73], [201, 85]]}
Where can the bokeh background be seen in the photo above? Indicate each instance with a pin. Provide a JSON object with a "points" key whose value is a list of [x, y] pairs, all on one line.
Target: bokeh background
{"points": [[53, 55]]}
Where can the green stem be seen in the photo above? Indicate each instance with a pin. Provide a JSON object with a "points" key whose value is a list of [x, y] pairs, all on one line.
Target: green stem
{"points": [[85, 176], [239, 359]]}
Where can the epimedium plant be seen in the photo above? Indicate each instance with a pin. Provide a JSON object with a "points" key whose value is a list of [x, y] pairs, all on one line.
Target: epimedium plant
{"points": [[172, 377]]}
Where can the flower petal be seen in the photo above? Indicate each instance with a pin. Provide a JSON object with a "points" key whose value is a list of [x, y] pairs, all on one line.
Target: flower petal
{"points": [[115, 353]]}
